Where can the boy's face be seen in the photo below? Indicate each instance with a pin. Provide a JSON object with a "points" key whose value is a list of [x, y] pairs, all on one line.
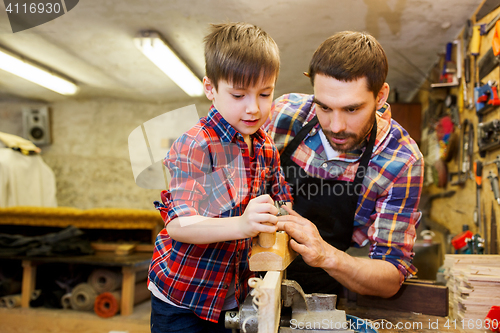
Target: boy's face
{"points": [[245, 108]]}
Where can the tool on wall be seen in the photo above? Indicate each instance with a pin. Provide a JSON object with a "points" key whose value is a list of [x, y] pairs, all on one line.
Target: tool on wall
{"points": [[451, 103], [476, 244], [451, 73], [475, 44], [493, 232], [448, 140], [494, 186], [468, 243], [487, 6], [491, 59], [497, 162], [459, 242], [488, 136], [486, 97], [449, 66], [468, 104], [478, 170], [465, 155], [486, 27], [466, 41], [485, 232]]}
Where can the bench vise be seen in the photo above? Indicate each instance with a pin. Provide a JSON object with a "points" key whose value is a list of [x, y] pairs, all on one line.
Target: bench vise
{"points": [[300, 312]]}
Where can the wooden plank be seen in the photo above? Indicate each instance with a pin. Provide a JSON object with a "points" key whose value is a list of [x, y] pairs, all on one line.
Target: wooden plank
{"points": [[483, 278], [111, 247], [415, 281], [275, 258], [269, 312], [412, 297], [128, 286], [490, 301], [484, 270], [28, 284], [125, 249], [481, 293], [461, 260]]}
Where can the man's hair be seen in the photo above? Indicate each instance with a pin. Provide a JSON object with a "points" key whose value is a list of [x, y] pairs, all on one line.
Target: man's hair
{"points": [[348, 56], [240, 53]]}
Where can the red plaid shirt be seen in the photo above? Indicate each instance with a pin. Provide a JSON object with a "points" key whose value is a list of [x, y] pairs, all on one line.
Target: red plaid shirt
{"points": [[212, 175]]}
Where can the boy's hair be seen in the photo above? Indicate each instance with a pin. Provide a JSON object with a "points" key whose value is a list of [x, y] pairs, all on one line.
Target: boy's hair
{"points": [[240, 53], [348, 56]]}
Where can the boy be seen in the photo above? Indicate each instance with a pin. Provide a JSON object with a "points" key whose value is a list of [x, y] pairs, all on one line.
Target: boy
{"points": [[220, 170]]}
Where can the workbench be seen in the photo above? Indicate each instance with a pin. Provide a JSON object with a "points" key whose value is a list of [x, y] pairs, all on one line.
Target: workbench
{"points": [[409, 322], [130, 264], [89, 219]]}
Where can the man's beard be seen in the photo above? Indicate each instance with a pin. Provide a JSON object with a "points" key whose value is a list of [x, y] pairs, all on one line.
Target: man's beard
{"points": [[355, 141]]}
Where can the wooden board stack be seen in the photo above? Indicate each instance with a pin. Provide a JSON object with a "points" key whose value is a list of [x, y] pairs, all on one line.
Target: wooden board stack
{"points": [[474, 285]]}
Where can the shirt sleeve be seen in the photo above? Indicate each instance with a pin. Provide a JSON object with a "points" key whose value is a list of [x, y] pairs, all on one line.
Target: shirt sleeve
{"points": [[393, 233], [188, 164]]}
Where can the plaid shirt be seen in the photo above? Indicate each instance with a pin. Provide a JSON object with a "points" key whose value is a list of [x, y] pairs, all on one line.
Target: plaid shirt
{"points": [[387, 214], [212, 175]]}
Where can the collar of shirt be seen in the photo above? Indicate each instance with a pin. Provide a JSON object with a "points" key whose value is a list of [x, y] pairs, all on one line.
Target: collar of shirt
{"points": [[225, 131], [330, 152], [314, 141]]}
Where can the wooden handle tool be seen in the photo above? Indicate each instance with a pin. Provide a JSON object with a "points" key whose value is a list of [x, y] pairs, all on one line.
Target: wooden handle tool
{"points": [[266, 239]]}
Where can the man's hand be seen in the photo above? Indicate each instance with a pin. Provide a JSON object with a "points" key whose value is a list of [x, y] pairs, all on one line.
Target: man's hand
{"points": [[363, 276], [306, 239]]}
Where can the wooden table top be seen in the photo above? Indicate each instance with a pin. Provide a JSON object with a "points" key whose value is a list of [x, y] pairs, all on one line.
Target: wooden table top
{"points": [[98, 258], [404, 322]]}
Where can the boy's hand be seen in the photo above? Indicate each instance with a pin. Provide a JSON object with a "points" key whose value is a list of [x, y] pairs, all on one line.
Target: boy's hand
{"points": [[259, 211]]}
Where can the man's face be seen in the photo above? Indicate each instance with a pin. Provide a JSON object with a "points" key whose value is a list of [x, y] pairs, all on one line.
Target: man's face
{"points": [[346, 110], [245, 108]]}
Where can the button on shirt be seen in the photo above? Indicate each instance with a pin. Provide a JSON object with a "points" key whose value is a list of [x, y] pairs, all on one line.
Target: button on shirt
{"points": [[387, 214], [212, 175]]}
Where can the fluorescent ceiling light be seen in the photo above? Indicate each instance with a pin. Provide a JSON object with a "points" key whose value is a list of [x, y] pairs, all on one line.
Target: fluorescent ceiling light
{"points": [[153, 46], [20, 67]]}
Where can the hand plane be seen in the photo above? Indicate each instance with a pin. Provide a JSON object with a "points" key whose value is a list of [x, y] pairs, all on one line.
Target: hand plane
{"points": [[272, 252]]}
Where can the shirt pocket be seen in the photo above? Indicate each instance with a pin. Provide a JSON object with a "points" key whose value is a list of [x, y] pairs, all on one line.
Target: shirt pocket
{"points": [[224, 194]]}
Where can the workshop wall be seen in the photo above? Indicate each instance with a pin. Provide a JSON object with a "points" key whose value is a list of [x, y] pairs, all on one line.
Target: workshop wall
{"points": [[89, 152], [457, 203]]}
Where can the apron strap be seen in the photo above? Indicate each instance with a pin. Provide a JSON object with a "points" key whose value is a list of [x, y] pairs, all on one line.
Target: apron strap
{"points": [[365, 158], [292, 146], [363, 165]]}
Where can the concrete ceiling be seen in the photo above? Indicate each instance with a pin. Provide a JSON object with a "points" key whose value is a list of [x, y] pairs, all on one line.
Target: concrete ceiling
{"points": [[92, 43]]}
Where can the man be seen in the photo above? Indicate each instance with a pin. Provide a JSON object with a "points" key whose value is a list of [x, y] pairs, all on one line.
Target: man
{"points": [[356, 175]]}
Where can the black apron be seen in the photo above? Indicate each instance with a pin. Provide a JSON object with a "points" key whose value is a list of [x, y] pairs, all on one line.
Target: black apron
{"points": [[329, 204]]}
